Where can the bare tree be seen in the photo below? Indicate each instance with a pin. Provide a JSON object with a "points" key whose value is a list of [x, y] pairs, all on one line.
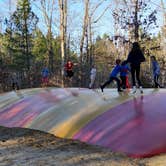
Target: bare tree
{"points": [[63, 32], [88, 21], [92, 20], [48, 9], [86, 42], [85, 28], [138, 17]]}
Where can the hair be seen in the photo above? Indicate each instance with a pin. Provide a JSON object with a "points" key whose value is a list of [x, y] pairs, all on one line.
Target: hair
{"points": [[124, 63], [153, 57], [136, 46], [118, 61], [93, 65]]}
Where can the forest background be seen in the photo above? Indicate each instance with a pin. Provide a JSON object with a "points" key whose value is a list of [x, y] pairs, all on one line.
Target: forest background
{"points": [[38, 33]]}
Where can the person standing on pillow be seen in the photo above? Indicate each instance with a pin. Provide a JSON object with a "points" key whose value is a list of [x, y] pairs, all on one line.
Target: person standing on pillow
{"points": [[135, 58]]}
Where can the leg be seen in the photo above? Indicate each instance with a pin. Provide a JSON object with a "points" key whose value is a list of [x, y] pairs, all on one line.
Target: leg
{"points": [[92, 81], [138, 78], [133, 71], [155, 81], [45, 82], [133, 74], [42, 84], [106, 83], [156, 77], [138, 75], [17, 86], [127, 82], [118, 83], [13, 86], [123, 84], [69, 77]]}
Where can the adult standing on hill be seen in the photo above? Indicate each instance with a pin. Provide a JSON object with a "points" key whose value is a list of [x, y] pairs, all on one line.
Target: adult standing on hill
{"points": [[135, 58]]}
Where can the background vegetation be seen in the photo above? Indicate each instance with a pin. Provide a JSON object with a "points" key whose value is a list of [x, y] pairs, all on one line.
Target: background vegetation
{"points": [[25, 47]]}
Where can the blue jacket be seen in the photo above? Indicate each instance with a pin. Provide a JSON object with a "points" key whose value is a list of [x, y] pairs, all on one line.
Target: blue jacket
{"points": [[115, 71], [45, 72], [124, 70], [155, 68]]}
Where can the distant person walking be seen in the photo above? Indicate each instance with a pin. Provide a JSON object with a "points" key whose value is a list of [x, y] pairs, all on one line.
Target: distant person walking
{"points": [[156, 71], [92, 76], [135, 58]]}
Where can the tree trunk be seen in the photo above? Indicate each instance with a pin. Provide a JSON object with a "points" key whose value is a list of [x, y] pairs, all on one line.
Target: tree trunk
{"points": [[63, 32], [84, 31], [136, 24], [50, 49], [90, 43], [27, 54]]}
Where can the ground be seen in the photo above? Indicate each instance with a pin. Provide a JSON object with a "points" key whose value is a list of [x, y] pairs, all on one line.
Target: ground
{"points": [[25, 147]]}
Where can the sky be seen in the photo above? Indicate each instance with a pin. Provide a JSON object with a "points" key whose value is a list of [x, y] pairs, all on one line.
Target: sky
{"points": [[105, 25]]}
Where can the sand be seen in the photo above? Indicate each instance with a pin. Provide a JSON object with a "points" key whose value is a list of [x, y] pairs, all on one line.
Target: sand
{"points": [[25, 147]]}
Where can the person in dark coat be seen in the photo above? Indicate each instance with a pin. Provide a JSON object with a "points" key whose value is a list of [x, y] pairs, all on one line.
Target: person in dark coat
{"points": [[135, 58]]}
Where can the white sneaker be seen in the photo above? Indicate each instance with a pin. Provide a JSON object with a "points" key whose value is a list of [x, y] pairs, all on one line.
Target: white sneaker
{"points": [[134, 89], [141, 89]]}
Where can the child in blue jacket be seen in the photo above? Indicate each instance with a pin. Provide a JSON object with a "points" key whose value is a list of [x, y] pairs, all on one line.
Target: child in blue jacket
{"points": [[156, 71], [113, 76]]}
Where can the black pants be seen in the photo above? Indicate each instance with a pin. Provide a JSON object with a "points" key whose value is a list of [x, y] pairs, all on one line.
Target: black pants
{"points": [[156, 78], [110, 80], [69, 73], [135, 71], [15, 86], [123, 83]]}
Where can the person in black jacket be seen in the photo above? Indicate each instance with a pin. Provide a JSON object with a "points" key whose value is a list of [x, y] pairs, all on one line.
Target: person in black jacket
{"points": [[135, 58]]}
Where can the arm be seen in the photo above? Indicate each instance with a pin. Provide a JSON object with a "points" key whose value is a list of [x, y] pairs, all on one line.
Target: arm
{"points": [[129, 57], [157, 68], [142, 57]]}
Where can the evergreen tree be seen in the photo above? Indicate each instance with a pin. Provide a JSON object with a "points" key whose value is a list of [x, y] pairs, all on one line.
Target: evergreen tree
{"points": [[23, 23]]}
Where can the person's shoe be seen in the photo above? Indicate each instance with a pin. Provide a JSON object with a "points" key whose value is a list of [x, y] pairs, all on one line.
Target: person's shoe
{"points": [[141, 90], [120, 90], [134, 89], [101, 87]]}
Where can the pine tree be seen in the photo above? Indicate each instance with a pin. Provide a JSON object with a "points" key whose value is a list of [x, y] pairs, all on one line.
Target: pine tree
{"points": [[23, 22]]}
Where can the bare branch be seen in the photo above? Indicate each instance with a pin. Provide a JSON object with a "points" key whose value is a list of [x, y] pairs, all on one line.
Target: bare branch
{"points": [[101, 14], [96, 7]]}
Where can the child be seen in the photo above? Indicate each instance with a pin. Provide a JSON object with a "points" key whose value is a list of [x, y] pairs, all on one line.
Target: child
{"points": [[156, 71], [45, 74], [113, 76], [14, 79], [69, 69], [92, 76], [123, 75]]}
